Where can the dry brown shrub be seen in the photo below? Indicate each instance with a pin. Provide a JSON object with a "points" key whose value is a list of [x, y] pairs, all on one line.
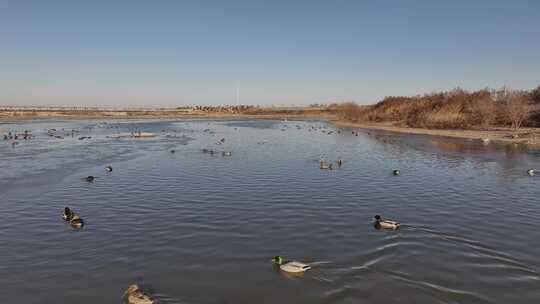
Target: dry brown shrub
{"points": [[350, 111], [483, 113], [518, 108], [457, 108]]}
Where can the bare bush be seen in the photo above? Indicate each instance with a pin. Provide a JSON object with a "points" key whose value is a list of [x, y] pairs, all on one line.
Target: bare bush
{"points": [[483, 112], [535, 95], [457, 108], [350, 111], [516, 106]]}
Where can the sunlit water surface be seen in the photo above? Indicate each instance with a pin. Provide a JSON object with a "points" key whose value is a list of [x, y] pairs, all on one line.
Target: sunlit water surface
{"points": [[191, 227]]}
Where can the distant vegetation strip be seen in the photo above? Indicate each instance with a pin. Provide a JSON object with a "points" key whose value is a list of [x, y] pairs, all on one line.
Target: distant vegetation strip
{"points": [[455, 109]]}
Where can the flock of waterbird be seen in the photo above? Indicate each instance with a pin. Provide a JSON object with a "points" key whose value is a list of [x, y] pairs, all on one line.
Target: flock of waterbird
{"points": [[133, 294]]}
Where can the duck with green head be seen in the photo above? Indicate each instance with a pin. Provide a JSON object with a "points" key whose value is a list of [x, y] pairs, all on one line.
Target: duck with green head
{"points": [[291, 266]]}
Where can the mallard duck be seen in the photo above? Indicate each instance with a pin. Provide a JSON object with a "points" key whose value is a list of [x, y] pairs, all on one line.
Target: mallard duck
{"points": [[382, 223], [67, 215], [76, 222], [291, 266], [108, 168], [136, 296], [531, 172], [395, 172]]}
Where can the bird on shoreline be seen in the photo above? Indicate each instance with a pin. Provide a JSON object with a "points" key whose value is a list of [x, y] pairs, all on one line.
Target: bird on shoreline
{"points": [[136, 296], [382, 223], [290, 266]]}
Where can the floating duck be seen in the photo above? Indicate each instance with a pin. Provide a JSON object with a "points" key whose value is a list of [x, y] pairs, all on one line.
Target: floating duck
{"points": [[339, 162], [108, 168], [89, 178], [67, 215], [382, 223], [291, 266], [136, 296], [324, 166], [76, 222], [226, 153], [172, 151], [395, 172], [531, 172]]}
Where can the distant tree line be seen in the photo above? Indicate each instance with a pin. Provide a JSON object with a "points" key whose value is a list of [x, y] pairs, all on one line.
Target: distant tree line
{"points": [[455, 109]]}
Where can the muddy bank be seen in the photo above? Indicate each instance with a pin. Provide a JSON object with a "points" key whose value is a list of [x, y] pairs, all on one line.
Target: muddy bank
{"points": [[527, 136]]}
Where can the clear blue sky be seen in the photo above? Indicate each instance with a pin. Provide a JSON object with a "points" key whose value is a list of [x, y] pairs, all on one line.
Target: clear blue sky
{"points": [[168, 53]]}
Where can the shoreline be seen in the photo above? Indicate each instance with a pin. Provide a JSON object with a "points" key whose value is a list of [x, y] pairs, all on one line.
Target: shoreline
{"points": [[524, 136]]}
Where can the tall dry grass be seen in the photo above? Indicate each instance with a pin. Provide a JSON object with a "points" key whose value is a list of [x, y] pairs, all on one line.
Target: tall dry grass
{"points": [[455, 109]]}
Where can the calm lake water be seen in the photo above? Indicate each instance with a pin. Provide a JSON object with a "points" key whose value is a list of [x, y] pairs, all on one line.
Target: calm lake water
{"points": [[198, 228]]}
